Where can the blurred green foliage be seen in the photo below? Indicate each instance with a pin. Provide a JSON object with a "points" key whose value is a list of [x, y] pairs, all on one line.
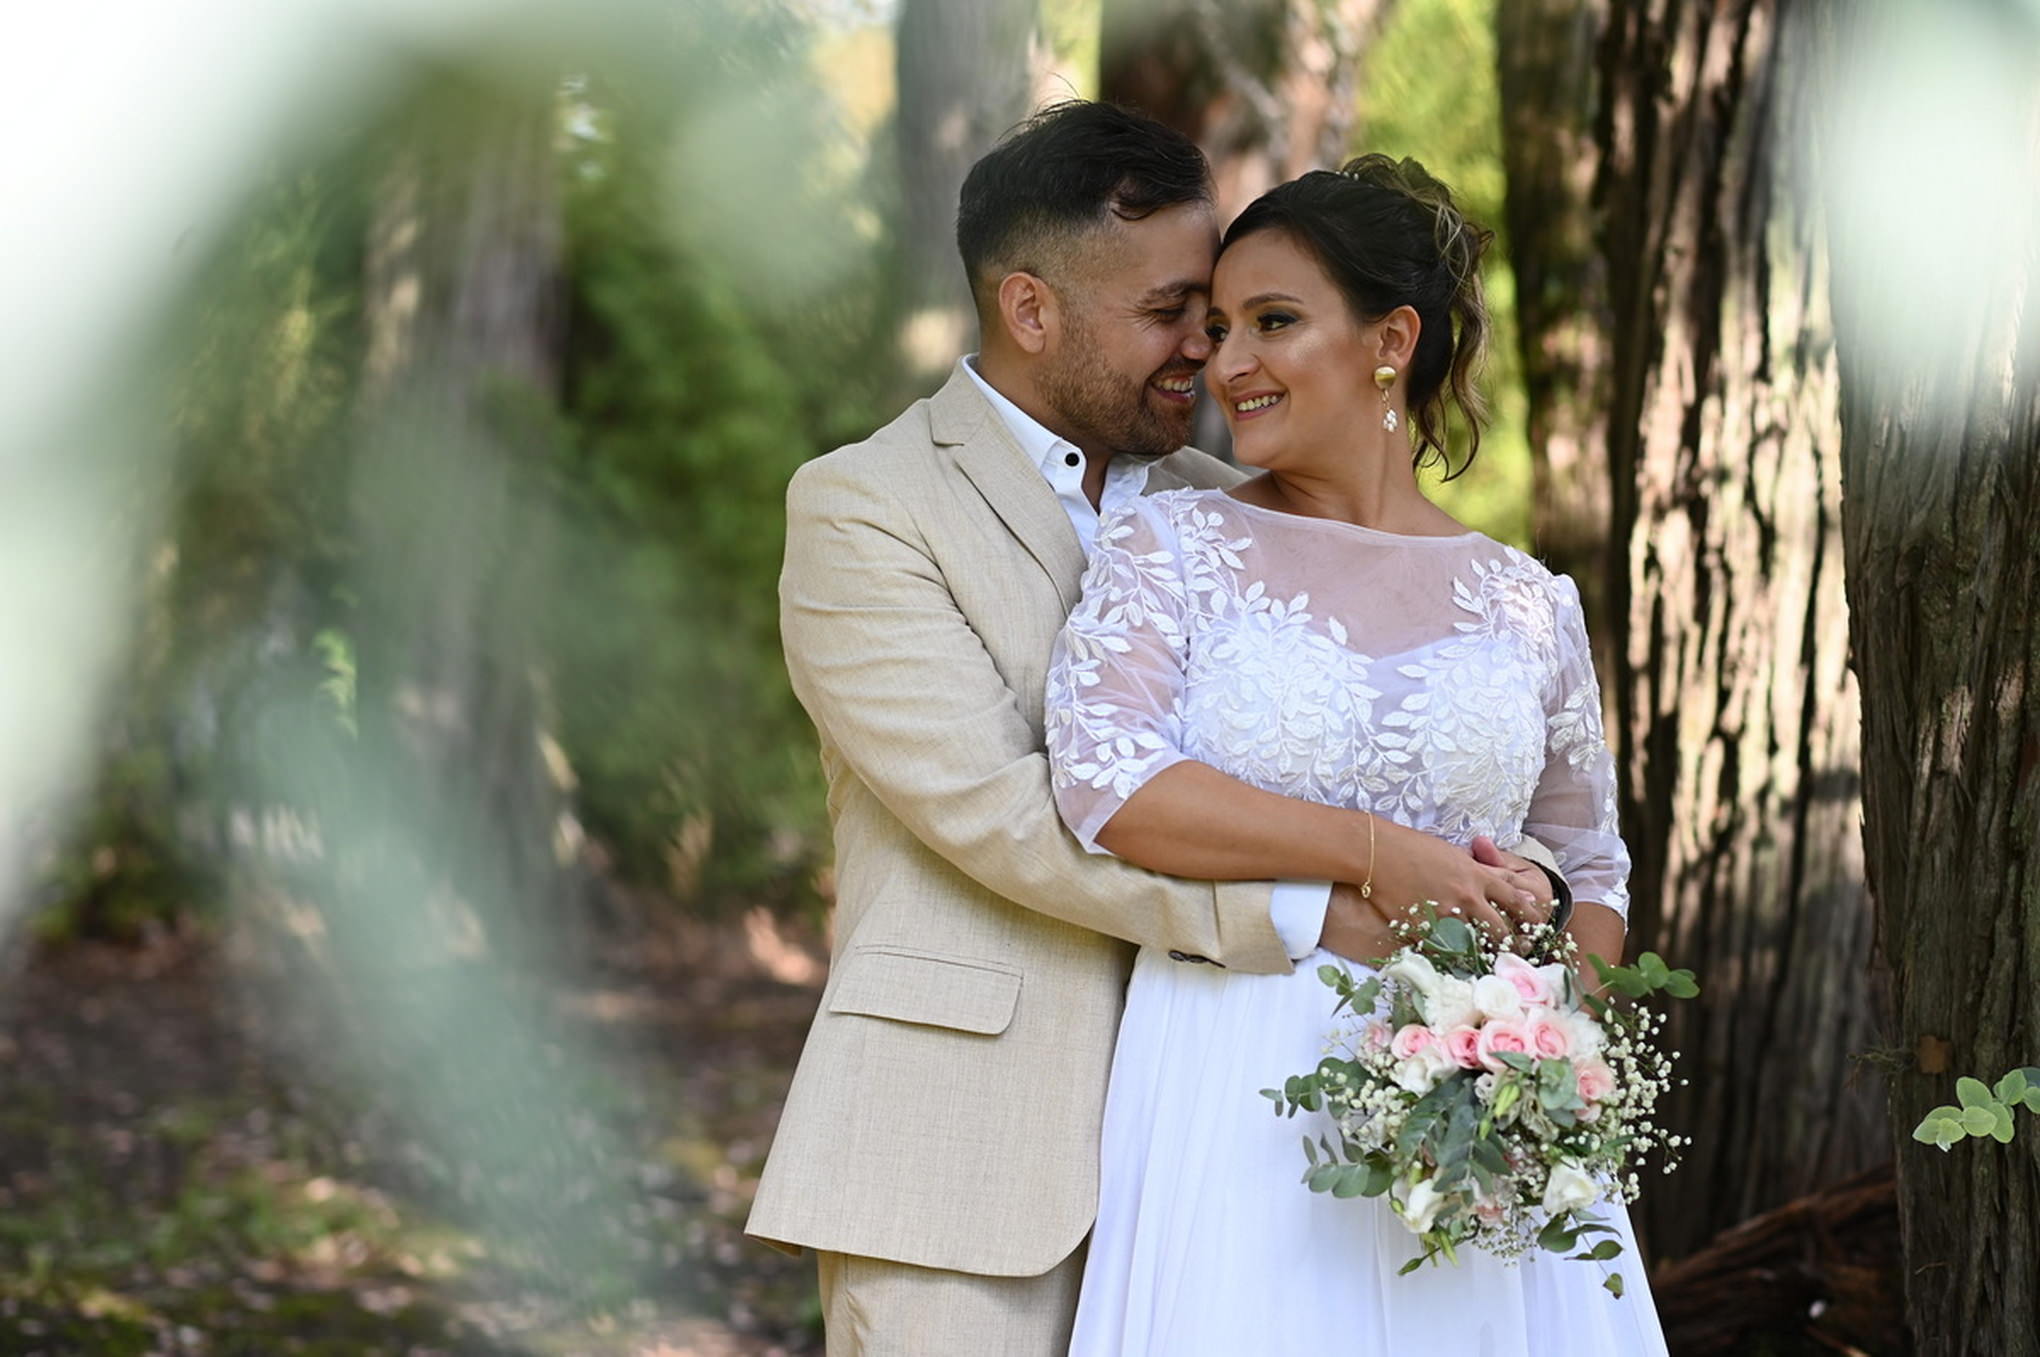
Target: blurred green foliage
{"points": [[693, 381], [1429, 90], [694, 387], [725, 192]]}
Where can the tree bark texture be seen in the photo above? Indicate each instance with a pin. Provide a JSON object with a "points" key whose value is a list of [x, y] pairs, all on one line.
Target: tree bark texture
{"points": [[965, 75], [1545, 58], [1736, 715], [1820, 1270], [1941, 530]]}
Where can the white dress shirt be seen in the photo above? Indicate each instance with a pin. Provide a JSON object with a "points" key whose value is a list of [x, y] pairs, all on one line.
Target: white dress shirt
{"points": [[1296, 908]]}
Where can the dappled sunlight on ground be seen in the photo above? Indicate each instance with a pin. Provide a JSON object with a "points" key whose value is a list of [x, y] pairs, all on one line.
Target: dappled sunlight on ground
{"points": [[169, 1185]]}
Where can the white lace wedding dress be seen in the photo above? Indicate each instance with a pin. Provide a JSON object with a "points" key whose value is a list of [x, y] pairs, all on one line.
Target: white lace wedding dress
{"points": [[1442, 682]]}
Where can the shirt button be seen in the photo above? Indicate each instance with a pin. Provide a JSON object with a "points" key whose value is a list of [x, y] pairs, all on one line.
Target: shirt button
{"points": [[1070, 459]]}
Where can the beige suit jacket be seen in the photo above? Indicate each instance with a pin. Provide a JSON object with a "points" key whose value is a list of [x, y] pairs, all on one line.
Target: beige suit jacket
{"points": [[947, 1106]]}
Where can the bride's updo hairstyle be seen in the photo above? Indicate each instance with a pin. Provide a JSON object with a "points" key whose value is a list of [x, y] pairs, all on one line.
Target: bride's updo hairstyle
{"points": [[1388, 235]]}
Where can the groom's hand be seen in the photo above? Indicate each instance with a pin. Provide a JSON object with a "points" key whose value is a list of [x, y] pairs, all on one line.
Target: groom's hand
{"points": [[1537, 904]]}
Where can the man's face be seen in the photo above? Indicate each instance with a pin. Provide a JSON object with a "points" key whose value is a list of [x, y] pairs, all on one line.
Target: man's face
{"points": [[1121, 379]]}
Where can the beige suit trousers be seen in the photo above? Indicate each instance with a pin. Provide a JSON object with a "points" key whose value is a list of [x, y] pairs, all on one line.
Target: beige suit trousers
{"points": [[876, 1308]]}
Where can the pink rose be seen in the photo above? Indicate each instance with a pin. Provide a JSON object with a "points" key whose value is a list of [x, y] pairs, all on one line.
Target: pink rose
{"points": [[1549, 1038], [1376, 1036], [1410, 1040], [1462, 1043], [1596, 1080], [1502, 1037], [1525, 977]]}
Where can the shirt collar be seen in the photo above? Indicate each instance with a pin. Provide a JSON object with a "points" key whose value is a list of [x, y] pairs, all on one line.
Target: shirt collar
{"points": [[1042, 447]]}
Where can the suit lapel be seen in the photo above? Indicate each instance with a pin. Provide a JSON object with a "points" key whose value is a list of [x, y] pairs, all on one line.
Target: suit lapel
{"points": [[1162, 476], [962, 420]]}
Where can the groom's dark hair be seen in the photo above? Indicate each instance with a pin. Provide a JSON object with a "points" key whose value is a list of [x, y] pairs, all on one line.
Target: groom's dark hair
{"points": [[1068, 169]]}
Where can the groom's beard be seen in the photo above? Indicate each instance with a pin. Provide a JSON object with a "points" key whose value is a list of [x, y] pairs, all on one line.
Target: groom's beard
{"points": [[1104, 409]]}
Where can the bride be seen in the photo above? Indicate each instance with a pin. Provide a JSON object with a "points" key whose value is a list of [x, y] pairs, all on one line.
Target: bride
{"points": [[1253, 677]]}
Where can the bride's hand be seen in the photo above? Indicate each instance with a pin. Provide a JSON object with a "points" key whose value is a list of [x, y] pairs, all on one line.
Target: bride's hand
{"points": [[1411, 867]]}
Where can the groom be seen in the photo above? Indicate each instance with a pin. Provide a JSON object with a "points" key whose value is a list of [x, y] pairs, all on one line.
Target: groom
{"points": [[939, 1147]]}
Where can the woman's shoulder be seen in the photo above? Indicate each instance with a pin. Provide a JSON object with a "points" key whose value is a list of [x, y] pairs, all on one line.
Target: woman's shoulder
{"points": [[1176, 511]]}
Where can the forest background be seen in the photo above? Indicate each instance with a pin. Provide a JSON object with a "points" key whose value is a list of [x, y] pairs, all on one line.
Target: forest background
{"points": [[414, 864]]}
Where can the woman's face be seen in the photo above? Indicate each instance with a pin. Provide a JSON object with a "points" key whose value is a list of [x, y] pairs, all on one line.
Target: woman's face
{"points": [[1293, 369]]}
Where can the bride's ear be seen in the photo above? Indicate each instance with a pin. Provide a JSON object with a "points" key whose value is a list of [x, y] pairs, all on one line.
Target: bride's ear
{"points": [[1030, 312], [1399, 331]]}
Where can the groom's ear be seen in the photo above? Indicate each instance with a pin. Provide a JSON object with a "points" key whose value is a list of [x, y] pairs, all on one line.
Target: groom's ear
{"points": [[1030, 312]]}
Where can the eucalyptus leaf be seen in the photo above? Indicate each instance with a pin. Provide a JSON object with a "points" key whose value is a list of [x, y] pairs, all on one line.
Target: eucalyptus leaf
{"points": [[2011, 1088], [1351, 1182], [1614, 1283], [1557, 1236], [1452, 934], [1682, 985], [1938, 1130], [2002, 1131], [1978, 1121], [1379, 1176], [1972, 1092], [1321, 1178]]}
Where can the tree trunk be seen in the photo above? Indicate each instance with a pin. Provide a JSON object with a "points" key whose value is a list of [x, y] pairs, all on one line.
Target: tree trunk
{"points": [[1736, 715], [1266, 87], [461, 301], [1823, 1269], [1937, 294], [1545, 52], [965, 75]]}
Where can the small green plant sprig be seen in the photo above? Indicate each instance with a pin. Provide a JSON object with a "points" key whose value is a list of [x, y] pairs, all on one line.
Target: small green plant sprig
{"points": [[1983, 1110]]}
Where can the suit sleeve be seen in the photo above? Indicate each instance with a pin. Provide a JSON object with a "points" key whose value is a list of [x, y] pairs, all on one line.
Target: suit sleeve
{"points": [[893, 673]]}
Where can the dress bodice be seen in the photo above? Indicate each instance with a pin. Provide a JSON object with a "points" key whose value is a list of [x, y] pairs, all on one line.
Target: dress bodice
{"points": [[1442, 682]]}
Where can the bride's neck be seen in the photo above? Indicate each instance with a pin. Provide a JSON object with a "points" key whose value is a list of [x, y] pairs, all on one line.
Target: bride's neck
{"points": [[1383, 496]]}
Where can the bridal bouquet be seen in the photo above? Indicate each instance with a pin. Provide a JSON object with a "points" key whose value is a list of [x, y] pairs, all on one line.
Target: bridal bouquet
{"points": [[1486, 1094]]}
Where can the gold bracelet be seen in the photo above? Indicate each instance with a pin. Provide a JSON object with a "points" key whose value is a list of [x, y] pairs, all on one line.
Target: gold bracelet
{"points": [[1367, 886]]}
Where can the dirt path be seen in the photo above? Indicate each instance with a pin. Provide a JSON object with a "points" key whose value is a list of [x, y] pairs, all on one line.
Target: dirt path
{"points": [[174, 1179]]}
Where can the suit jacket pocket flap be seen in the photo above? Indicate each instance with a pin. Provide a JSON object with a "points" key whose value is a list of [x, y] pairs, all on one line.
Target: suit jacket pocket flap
{"points": [[927, 987]]}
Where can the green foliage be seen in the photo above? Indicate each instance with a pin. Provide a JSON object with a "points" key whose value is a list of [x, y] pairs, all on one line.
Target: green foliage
{"points": [[1429, 90], [695, 380], [1649, 975], [693, 391], [1983, 1110]]}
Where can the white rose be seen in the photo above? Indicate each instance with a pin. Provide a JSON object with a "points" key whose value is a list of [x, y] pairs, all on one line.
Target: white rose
{"points": [[1556, 984], [1421, 1072], [1452, 1005], [1421, 1205], [1416, 971], [1587, 1036], [1495, 997], [1568, 1188]]}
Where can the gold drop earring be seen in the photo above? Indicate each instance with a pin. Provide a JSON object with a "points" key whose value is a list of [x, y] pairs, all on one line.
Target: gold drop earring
{"points": [[1384, 377]]}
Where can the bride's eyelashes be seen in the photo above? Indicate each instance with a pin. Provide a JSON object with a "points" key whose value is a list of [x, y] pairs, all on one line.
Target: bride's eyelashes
{"points": [[1267, 322]]}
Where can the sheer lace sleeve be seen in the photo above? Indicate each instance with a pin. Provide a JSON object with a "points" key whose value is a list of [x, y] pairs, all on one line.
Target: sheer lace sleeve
{"points": [[1573, 809], [1116, 678]]}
